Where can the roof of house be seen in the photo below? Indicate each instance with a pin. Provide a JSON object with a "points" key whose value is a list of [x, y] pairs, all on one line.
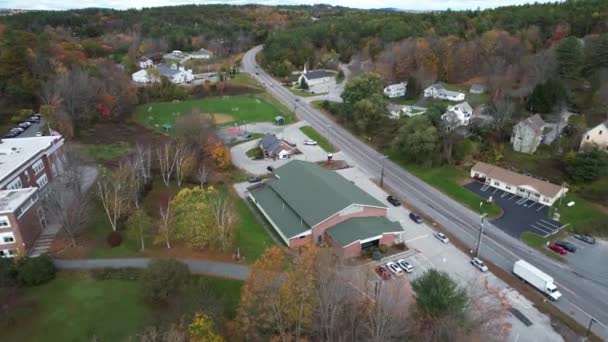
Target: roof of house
{"points": [[361, 228], [463, 107], [312, 193], [544, 188], [10, 200], [14, 152], [535, 122], [605, 124], [396, 86], [202, 52], [437, 86], [144, 59], [167, 70], [314, 74], [478, 87]]}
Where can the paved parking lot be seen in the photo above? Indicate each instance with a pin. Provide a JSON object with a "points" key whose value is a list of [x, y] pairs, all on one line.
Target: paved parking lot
{"points": [[590, 258], [519, 214]]}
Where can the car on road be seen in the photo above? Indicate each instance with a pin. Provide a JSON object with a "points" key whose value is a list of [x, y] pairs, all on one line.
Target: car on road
{"points": [[297, 99], [416, 218], [585, 238], [393, 200], [406, 266], [567, 246], [395, 269], [479, 264], [557, 249], [441, 237], [257, 73], [383, 273], [39, 134], [254, 179], [309, 142]]}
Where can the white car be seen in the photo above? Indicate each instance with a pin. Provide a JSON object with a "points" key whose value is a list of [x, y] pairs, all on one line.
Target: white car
{"points": [[309, 142], [38, 134], [442, 237], [479, 264], [396, 270], [406, 266]]}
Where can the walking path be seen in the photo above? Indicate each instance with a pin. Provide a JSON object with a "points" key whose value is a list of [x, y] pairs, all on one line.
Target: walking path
{"points": [[213, 268]]}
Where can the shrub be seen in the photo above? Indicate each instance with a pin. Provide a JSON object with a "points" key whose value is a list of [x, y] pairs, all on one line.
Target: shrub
{"points": [[35, 271], [377, 255], [8, 273], [383, 249], [164, 279], [400, 246], [114, 239]]}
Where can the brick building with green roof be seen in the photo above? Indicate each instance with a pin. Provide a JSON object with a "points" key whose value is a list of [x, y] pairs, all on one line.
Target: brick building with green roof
{"points": [[306, 203]]}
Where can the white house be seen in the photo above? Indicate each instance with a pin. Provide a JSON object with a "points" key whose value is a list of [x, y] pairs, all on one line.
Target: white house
{"points": [[143, 76], [145, 62], [395, 90], [521, 185], [596, 137], [397, 111], [315, 77], [477, 89], [458, 115], [438, 91], [201, 54], [175, 74]]}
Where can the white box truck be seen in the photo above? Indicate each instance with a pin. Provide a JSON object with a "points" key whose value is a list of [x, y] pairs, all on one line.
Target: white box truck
{"points": [[537, 278]]}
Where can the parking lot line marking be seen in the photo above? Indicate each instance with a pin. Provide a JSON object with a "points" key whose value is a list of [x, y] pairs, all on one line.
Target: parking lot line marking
{"points": [[551, 224], [541, 206], [495, 189], [543, 232], [576, 243], [546, 226], [510, 198], [417, 238]]}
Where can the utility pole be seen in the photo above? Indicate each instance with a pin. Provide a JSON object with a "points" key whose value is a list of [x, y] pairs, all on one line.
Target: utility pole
{"points": [[589, 328], [382, 171], [329, 132], [478, 247]]}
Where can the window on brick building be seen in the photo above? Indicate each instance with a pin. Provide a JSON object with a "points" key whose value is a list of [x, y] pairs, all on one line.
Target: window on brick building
{"points": [[38, 166]]}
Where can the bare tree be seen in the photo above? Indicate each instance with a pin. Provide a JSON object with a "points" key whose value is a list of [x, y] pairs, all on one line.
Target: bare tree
{"points": [[166, 161], [225, 218], [67, 202], [115, 192], [184, 163], [202, 174], [166, 218], [501, 110]]}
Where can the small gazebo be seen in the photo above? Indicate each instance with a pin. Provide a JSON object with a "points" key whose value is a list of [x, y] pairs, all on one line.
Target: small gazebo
{"points": [[279, 120]]}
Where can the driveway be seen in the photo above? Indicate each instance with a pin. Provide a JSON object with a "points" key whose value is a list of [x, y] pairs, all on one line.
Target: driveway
{"points": [[427, 252], [218, 269], [519, 215], [290, 133]]}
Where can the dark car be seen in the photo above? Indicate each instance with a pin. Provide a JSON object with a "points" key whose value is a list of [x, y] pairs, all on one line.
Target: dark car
{"points": [[383, 273], [254, 179], [567, 246], [416, 218], [585, 238], [393, 200], [10, 135]]}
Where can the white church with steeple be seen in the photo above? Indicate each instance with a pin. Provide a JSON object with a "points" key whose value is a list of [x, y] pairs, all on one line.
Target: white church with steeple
{"points": [[315, 77]]}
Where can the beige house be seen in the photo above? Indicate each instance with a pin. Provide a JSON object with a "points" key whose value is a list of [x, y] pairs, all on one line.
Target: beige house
{"points": [[528, 134], [521, 185], [597, 137]]}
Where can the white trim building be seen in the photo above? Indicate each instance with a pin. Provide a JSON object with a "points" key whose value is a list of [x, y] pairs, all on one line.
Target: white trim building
{"points": [[395, 90], [438, 92], [597, 137]]}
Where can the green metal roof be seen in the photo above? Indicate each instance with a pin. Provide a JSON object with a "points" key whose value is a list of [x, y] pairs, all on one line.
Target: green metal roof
{"points": [[315, 193], [361, 228], [281, 214]]}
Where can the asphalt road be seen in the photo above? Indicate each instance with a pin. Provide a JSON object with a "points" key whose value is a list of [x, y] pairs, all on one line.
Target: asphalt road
{"points": [[585, 296]]}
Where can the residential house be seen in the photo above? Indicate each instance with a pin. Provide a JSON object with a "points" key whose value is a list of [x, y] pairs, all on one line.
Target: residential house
{"points": [[395, 90], [175, 74], [306, 204], [156, 57], [145, 76], [437, 91], [315, 77], [274, 147], [528, 134], [27, 165], [458, 115], [477, 89], [201, 54], [597, 137], [145, 62], [397, 111], [521, 185]]}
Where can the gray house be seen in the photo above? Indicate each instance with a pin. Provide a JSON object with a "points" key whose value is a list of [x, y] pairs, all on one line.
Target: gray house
{"points": [[528, 134], [275, 148]]}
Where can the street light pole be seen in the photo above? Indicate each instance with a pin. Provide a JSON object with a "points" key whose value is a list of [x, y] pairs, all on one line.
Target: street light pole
{"points": [[479, 236], [589, 328]]}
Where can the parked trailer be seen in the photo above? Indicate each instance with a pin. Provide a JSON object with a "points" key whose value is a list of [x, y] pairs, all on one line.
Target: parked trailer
{"points": [[537, 278]]}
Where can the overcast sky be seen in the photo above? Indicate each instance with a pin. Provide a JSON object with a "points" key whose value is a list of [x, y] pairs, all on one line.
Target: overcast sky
{"points": [[123, 4]]}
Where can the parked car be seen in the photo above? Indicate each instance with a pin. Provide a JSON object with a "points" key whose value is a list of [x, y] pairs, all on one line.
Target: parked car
{"points": [[479, 264], [21, 130], [24, 125], [33, 119], [383, 273], [395, 269], [393, 200], [39, 134], [10, 135], [309, 142], [585, 238], [441, 237], [567, 246], [17, 131], [557, 249], [406, 266], [254, 179], [416, 218]]}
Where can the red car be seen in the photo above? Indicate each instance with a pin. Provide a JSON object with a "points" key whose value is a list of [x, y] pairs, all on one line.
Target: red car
{"points": [[557, 249], [383, 273]]}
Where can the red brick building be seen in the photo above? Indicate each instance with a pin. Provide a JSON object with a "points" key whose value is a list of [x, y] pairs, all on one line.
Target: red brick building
{"points": [[308, 204], [27, 165]]}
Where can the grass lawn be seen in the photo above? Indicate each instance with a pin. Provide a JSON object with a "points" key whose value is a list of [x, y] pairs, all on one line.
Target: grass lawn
{"points": [[99, 228], [104, 152], [75, 307], [403, 101], [251, 237], [227, 109], [314, 135], [583, 216], [300, 92], [447, 180], [245, 80], [255, 153]]}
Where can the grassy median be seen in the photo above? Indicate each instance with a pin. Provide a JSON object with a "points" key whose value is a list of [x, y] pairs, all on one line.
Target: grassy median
{"points": [[321, 141]]}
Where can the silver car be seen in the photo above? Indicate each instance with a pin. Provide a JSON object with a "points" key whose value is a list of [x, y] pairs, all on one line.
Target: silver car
{"points": [[441, 237], [479, 264], [406, 266]]}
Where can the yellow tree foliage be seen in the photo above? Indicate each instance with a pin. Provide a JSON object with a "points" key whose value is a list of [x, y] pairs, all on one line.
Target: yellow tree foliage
{"points": [[220, 155], [201, 329]]}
